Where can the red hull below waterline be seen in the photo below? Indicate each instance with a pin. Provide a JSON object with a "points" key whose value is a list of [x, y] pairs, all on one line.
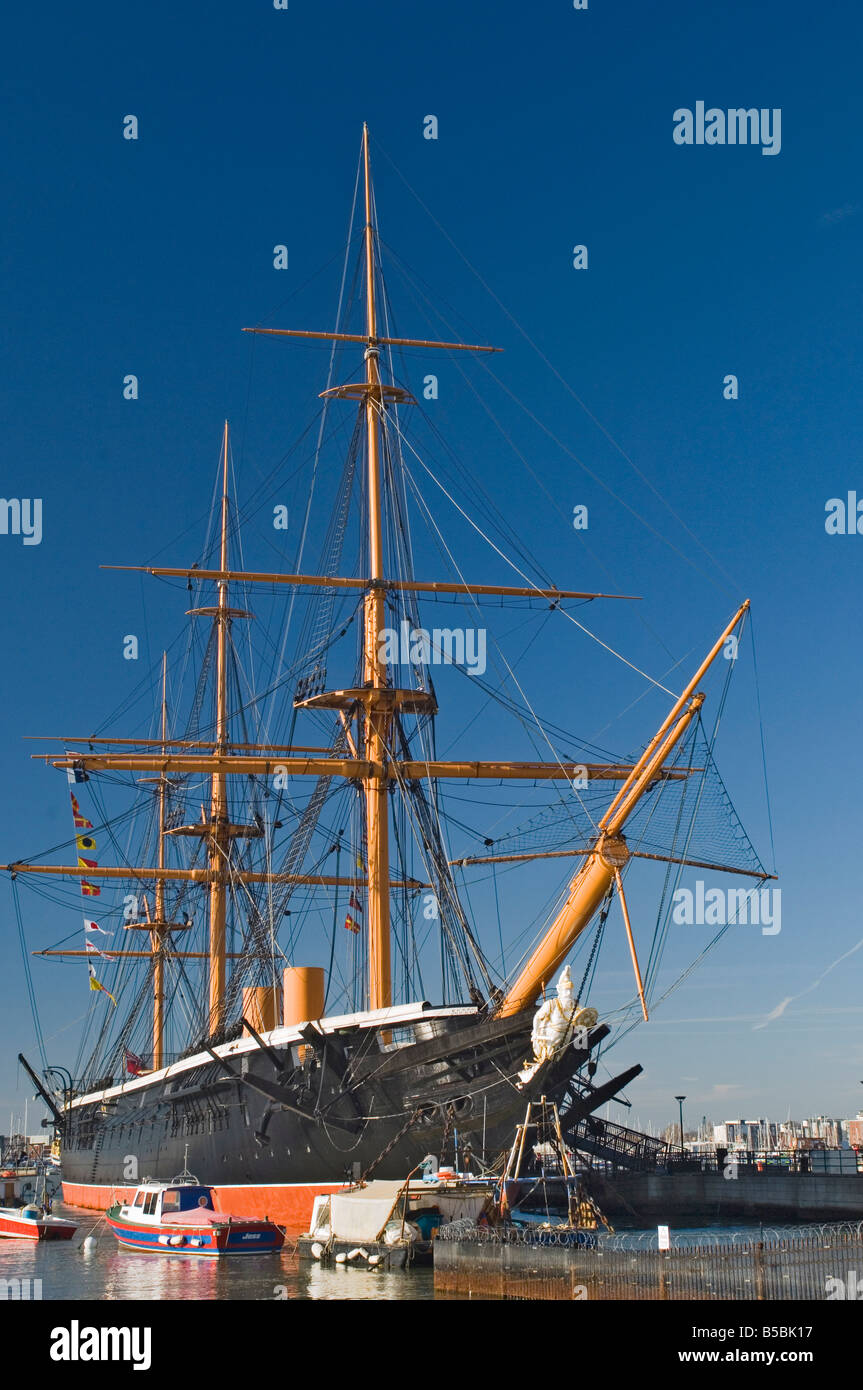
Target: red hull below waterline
{"points": [[288, 1204]]}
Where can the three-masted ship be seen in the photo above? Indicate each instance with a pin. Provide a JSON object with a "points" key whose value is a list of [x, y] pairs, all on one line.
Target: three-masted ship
{"points": [[273, 1096]]}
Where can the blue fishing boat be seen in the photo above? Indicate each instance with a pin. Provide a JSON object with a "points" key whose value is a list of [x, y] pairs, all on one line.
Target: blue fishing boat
{"points": [[181, 1218]]}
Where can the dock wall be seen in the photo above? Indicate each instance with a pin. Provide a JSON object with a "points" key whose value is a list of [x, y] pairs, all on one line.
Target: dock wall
{"points": [[681, 1198]]}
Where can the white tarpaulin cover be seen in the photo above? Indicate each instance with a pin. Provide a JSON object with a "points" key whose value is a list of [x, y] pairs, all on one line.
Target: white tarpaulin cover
{"points": [[362, 1215]]}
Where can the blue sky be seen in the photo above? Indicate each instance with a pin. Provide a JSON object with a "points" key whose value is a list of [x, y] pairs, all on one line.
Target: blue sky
{"points": [[555, 129]]}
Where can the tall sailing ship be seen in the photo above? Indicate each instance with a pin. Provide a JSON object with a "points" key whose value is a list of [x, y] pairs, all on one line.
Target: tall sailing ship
{"points": [[210, 1039]]}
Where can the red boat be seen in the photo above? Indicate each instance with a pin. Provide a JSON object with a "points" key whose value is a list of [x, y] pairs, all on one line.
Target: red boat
{"points": [[32, 1223]]}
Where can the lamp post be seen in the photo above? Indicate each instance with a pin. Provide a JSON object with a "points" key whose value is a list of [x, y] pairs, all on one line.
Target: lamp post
{"points": [[680, 1100]]}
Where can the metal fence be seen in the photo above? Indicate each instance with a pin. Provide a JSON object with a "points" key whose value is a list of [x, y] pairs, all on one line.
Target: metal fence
{"points": [[813, 1263]]}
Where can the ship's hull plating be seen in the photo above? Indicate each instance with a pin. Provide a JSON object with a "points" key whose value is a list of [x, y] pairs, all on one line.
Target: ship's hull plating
{"points": [[275, 1128]]}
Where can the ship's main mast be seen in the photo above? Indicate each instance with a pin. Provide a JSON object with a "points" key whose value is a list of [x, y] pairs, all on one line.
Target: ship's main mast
{"points": [[219, 841], [375, 672]]}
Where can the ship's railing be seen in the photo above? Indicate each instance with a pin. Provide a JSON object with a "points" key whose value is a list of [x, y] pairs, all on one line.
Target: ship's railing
{"points": [[609, 1146], [617, 1145], [86, 1084], [752, 1161]]}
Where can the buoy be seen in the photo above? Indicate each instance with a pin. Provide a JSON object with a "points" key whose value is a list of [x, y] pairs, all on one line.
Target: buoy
{"points": [[374, 1259], [88, 1244], [176, 1240], [340, 1259], [355, 1254], [317, 1250]]}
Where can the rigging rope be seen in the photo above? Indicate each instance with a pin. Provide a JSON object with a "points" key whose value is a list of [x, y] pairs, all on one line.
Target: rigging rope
{"points": [[600, 927], [531, 583], [763, 744], [570, 390]]}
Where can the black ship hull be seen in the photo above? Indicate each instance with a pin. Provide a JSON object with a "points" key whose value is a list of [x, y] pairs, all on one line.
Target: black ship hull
{"points": [[274, 1124]]}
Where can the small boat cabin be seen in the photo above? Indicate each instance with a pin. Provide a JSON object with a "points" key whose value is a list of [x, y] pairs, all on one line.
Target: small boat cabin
{"points": [[155, 1200]]}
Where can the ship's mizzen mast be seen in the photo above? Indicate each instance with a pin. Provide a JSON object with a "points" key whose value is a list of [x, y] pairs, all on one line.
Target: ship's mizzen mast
{"points": [[159, 927], [158, 932]]}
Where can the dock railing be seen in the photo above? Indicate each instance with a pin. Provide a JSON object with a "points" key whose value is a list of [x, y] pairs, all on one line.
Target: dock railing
{"points": [[790, 1263], [607, 1147]]}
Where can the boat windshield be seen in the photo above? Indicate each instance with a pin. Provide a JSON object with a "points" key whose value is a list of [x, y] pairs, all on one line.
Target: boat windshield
{"points": [[186, 1199]]}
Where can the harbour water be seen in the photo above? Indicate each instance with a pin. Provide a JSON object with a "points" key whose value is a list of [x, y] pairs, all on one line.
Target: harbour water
{"points": [[93, 1267], [103, 1271]]}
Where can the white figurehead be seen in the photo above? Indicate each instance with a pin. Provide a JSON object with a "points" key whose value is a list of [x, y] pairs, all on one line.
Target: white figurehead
{"points": [[554, 1022]]}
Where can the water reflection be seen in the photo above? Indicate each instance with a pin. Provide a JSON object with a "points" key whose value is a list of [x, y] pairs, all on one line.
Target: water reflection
{"points": [[104, 1271], [338, 1281]]}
